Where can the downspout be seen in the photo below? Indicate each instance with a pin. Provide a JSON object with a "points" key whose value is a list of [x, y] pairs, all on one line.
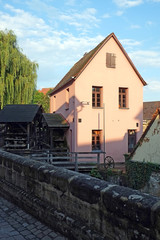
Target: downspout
{"points": [[75, 125], [75, 119], [104, 137]]}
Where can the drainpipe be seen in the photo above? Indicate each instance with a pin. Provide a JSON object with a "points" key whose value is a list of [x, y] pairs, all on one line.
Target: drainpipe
{"points": [[104, 145], [75, 126]]}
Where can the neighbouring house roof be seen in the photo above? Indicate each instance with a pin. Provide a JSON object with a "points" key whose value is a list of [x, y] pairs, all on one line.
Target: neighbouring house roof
{"points": [[19, 113], [78, 67], [45, 90], [55, 120], [139, 143], [149, 109]]}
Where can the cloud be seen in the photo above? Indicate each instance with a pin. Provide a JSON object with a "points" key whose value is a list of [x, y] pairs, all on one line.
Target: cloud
{"points": [[153, 85], [56, 49], [106, 15], [127, 3], [81, 20], [51, 47], [135, 26], [119, 13], [48, 10], [130, 42], [150, 23], [22, 23], [70, 2], [56, 54], [146, 58]]}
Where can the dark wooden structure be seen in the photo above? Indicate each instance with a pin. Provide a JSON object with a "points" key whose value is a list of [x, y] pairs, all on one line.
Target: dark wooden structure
{"points": [[54, 127], [22, 126]]}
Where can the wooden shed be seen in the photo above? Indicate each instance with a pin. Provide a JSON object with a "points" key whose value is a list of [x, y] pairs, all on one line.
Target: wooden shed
{"points": [[22, 126], [55, 127]]}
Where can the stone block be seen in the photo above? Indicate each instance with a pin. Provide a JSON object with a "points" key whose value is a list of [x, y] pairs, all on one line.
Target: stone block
{"points": [[87, 188], [59, 178], [126, 202]]}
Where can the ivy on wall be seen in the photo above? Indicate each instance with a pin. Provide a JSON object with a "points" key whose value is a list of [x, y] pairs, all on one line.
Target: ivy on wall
{"points": [[136, 176], [138, 173]]}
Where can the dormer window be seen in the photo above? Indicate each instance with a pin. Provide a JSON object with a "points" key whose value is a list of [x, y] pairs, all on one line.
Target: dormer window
{"points": [[110, 60]]}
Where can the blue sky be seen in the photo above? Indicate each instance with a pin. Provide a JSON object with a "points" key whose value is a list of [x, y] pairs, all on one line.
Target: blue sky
{"points": [[56, 33]]}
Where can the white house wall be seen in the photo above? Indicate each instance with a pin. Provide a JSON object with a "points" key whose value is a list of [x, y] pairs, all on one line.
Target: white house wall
{"points": [[149, 148]]}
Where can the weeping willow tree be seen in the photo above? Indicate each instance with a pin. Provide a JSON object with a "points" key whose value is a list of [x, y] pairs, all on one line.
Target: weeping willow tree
{"points": [[18, 75]]}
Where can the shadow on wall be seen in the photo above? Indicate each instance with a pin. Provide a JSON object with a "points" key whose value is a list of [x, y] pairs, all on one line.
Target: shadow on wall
{"points": [[79, 135]]}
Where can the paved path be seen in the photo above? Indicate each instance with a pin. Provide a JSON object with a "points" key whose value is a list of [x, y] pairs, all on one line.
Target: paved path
{"points": [[15, 224]]}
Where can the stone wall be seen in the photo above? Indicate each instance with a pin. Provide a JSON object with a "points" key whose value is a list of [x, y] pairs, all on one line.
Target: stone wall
{"points": [[79, 206], [153, 185]]}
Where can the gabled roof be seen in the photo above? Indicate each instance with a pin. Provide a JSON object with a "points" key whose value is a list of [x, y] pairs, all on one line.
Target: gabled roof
{"points": [[139, 143], [149, 109], [78, 67], [55, 120], [19, 113]]}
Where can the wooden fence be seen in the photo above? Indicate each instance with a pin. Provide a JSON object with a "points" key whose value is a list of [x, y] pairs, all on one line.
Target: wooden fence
{"points": [[70, 159]]}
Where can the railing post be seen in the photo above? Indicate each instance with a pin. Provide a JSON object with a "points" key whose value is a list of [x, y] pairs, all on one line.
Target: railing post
{"points": [[47, 156], [98, 158], [76, 162], [50, 160]]}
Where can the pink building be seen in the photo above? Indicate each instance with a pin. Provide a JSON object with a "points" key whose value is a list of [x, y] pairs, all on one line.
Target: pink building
{"points": [[102, 99]]}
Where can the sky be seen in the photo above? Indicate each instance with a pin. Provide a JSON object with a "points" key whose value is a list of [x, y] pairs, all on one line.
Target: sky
{"points": [[57, 33]]}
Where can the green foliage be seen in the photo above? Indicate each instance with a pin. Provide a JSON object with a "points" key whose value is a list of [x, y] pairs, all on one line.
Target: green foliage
{"points": [[95, 173], [138, 173], [103, 173], [18, 75], [42, 99]]}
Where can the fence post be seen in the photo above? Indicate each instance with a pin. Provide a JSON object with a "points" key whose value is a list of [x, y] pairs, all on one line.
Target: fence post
{"points": [[47, 157], [76, 162], [98, 158], [50, 158]]}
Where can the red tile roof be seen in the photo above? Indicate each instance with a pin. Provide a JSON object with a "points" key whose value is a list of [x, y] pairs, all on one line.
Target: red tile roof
{"points": [[45, 90], [149, 109]]}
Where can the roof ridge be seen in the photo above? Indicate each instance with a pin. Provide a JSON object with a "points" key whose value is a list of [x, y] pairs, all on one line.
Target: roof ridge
{"points": [[81, 64]]}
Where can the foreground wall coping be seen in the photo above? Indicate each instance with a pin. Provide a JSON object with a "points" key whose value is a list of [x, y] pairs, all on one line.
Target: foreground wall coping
{"points": [[103, 208]]}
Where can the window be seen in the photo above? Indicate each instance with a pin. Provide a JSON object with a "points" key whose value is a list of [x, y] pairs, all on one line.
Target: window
{"points": [[123, 92], [110, 60], [131, 140], [67, 98], [96, 96], [96, 140]]}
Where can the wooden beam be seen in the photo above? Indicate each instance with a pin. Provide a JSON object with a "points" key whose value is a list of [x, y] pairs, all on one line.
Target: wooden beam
{"points": [[51, 138], [28, 136]]}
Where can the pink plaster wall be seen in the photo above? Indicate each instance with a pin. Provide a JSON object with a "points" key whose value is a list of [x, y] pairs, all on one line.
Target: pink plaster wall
{"points": [[117, 121], [58, 105]]}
